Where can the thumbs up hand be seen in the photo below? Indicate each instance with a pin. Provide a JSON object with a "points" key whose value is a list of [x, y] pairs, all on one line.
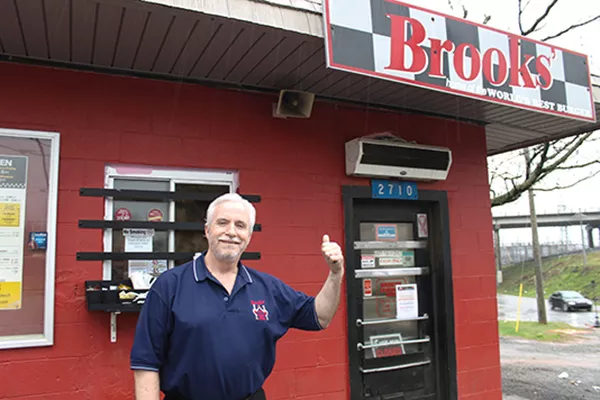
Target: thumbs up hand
{"points": [[332, 253]]}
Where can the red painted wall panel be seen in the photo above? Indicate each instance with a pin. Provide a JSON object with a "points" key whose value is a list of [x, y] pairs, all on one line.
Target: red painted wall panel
{"points": [[297, 166]]}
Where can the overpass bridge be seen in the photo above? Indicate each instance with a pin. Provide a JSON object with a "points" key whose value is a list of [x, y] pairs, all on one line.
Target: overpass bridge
{"points": [[589, 219]]}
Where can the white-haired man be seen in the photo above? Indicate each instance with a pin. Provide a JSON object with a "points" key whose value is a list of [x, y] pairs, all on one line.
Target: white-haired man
{"points": [[208, 328]]}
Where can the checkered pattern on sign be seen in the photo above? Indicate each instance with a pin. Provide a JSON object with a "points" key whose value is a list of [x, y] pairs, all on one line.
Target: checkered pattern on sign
{"points": [[360, 37], [8, 185]]}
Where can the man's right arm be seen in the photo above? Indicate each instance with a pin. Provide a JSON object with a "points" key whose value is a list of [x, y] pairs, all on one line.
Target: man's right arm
{"points": [[150, 343], [147, 385]]}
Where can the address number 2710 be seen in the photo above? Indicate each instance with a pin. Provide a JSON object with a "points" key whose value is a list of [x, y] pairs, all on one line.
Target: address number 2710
{"points": [[394, 190]]}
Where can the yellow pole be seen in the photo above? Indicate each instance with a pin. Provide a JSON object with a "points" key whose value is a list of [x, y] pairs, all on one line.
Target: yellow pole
{"points": [[519, 307]]}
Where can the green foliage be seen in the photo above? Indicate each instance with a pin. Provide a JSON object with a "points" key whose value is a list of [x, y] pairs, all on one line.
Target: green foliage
{"points": [[560, 273]]}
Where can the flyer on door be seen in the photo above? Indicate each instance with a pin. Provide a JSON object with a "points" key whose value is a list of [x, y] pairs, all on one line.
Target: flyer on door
{"points": [[407, 301]]}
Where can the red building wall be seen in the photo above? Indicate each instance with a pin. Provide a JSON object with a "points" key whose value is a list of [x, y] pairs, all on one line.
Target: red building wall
{"points": [[297, 166]]}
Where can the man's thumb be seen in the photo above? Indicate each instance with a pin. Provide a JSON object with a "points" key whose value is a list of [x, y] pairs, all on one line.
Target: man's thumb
{"points": [[325, 238]]}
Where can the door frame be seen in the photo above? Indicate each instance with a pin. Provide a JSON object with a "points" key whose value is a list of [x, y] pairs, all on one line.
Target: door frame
{"points": [[441, 270]]}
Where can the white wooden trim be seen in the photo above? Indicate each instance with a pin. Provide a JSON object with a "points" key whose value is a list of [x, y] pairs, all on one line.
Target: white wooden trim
{"points": [[302, 16]]}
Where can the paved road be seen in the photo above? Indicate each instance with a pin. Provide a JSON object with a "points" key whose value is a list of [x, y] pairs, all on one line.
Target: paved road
{"points": [[507, 310]]}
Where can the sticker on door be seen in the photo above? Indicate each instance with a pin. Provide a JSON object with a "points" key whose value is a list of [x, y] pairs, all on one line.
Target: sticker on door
{"points": [[367, 287], [387, 232], [423, 231], [367, 261], [395, 258]]}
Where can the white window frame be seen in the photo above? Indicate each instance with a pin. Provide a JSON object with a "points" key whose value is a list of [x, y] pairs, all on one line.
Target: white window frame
{"points": [[174, 176], [47, 337]]}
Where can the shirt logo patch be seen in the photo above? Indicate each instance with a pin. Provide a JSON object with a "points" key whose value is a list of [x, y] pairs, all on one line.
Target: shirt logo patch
{"points": [[260, 310]]}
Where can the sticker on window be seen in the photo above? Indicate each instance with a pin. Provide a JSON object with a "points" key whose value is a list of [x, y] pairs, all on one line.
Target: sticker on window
{"points": [[422, 225], [390, 261], [367, 287], [155, 215], [388, 253], [386, 232], [367, 261], [122, 214]]}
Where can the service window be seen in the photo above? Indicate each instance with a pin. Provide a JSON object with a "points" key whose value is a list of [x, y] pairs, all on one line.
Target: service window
{"points": [[156, 210]]}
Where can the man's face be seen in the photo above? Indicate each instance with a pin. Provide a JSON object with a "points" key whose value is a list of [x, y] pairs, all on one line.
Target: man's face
{"points": [[229, 233]]}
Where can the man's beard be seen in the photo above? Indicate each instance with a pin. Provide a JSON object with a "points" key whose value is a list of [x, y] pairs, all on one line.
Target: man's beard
{"points": [[229, 255], [226, 256]]}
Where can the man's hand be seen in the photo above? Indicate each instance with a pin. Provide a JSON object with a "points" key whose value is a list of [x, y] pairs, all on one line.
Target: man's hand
{"points": [[328, 299], [332, 253]]}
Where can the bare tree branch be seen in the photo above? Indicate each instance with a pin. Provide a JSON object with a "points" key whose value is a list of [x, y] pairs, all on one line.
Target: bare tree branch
{"points": [[538, 150], [511, 176], [570, 167], [536, 170], [541, 27], [558, 187], [561, 145], [465, 12], [520, 19], [486, 18], [539, 169], [537, 21], [580, 140], [574, 26]]}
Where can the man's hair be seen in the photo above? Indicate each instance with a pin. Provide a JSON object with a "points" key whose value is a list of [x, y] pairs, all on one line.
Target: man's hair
{"points": [[234, 197]]}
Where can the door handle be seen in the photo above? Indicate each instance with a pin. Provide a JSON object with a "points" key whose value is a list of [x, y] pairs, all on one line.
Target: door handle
{"points": [[394, 367], [360, 322], [402, 244], [361, 346], [390, 272]]}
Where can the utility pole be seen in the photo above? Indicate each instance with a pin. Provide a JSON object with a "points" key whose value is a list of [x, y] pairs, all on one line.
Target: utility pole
{"points": [[539, 278]]}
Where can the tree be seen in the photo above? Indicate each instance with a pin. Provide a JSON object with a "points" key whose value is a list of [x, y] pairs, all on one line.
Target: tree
{"points": [[536, 163], [511, 174]]}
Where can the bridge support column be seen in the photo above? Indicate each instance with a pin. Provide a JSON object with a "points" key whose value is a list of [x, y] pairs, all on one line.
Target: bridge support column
{"points": [[590, 231], [498, 256]]}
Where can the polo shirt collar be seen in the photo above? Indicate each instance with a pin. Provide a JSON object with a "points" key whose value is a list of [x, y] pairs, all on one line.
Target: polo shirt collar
{"points": [[201, 273]]}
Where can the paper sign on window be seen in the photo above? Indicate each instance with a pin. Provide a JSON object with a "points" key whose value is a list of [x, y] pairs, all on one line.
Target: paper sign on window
{"points": [[407, 301], [139, 241]]}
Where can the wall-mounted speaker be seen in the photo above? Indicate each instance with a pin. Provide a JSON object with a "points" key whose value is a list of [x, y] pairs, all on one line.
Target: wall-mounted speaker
{"points": [[293, 104]]}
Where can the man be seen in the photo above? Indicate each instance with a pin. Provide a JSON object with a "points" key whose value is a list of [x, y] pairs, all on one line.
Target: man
{"points": [[208, 328]]}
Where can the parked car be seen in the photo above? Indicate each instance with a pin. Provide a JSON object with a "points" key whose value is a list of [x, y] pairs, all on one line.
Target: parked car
{"points": [[569, 300]]}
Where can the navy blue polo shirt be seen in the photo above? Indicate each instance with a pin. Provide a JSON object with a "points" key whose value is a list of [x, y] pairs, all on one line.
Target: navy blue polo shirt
{"points": [[207, 344]]}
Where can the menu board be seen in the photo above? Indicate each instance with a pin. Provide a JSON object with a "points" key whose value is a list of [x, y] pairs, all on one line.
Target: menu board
{"points": [[13, 195]]}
